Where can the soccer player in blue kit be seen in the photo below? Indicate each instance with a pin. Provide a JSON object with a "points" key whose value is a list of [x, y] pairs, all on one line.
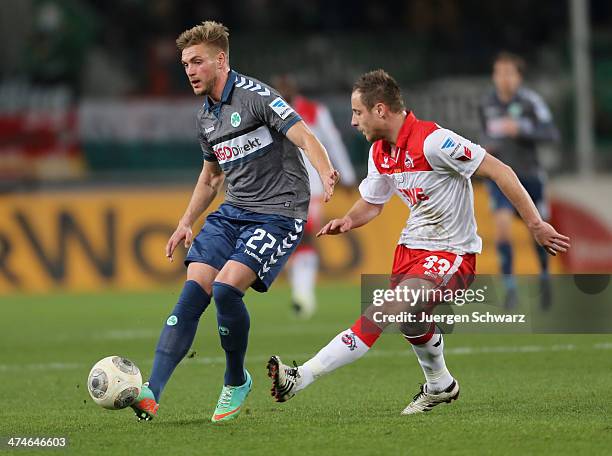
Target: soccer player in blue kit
{"points": [[251, 138], [515, 120]]}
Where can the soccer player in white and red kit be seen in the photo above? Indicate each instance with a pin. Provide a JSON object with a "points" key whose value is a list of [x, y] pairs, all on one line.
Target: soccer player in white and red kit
{"points": [[429, 168], [304, 263]]}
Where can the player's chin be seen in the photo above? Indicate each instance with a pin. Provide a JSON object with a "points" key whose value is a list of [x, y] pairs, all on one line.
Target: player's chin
{"points": [[370, 137]]}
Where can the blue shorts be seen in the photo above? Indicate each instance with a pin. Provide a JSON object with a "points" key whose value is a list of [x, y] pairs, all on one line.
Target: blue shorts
{"points": [[262, 242], [534, 184]]}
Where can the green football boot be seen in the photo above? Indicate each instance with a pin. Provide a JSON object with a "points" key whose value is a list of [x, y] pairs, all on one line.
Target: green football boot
{"points": [[145, 404], [231, 399]]}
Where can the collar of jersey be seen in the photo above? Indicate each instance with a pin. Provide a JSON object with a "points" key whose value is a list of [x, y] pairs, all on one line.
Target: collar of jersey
{"points": [[227, 91], [403, 135]]}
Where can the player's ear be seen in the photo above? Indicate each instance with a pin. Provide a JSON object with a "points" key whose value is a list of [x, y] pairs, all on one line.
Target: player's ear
{"points": [[380, 110], [221, 59]]}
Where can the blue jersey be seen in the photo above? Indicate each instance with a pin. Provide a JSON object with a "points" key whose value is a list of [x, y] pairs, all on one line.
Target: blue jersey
{"points": [[535, 126]]}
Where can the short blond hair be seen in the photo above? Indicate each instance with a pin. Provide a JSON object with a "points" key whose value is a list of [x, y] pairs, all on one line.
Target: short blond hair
{"points": [[208, 32], [379, 87]]}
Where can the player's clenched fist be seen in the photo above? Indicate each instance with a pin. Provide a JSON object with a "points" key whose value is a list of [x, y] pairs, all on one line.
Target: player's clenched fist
{"points": [[182, 232], [336, 226]]}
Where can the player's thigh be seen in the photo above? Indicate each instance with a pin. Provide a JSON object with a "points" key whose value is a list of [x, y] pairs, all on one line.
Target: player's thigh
{"points": [[213, 245], [265, 245], [433, 273], [204, 274], [236, 274], [410, 298], [503, 222]]}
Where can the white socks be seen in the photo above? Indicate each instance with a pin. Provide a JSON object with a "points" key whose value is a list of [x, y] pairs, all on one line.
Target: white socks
{"points": [[431, 359], [303, 277], [343, 349], [347, 347]]}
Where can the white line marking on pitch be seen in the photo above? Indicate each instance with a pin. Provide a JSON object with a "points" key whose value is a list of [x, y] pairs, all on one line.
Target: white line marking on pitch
{"points": [[375, 353]]}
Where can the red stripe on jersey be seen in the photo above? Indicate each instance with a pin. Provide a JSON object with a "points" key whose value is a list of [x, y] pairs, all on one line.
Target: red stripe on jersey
{"points": [[409, 155], [306, 109]]}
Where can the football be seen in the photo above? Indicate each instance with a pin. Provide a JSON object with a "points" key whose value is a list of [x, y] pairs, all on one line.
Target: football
{"points": [[114, 382]]}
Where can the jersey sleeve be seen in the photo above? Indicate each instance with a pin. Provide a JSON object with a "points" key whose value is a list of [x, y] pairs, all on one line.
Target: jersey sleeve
{"points": [[272, 110], [448, 152], [376, 188], [207, 151]]}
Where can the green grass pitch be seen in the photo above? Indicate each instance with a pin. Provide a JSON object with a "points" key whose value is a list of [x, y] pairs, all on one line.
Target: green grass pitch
{"points": [[521, 394]]}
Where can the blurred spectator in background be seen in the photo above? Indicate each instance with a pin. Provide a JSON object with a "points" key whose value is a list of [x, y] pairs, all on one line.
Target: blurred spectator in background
{"points": [[61, 34], [304, 263], [514, 120]]}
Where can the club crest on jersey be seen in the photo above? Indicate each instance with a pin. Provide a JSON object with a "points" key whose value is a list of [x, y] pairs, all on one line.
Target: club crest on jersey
{"points": [[515, 110], [408, 162], [235, 119], [385, 163], [348, 339]]}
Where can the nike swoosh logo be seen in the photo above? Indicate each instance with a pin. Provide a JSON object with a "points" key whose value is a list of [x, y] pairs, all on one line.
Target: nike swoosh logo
{"points": [[223, 415]]}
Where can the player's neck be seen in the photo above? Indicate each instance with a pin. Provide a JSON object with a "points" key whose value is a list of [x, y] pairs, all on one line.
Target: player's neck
{"points": [[504, 96], [396, 122], [217, 92]]}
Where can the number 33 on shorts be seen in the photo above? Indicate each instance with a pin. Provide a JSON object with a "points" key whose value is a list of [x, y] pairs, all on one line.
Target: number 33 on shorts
{"points": [[448, 269], [436, 264], [444, 268]]}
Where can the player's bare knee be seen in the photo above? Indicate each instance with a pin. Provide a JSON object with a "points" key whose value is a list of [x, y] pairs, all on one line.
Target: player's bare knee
{"points": [[203, 274], [414, 329], [237, 275]]}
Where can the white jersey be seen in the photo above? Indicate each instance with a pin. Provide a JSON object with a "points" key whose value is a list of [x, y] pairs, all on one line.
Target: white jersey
{"points": [[429, 169], [318, 118]]}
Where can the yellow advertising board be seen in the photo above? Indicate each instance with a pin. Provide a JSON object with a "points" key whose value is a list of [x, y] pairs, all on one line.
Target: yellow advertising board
{"points": [[93, 240]]}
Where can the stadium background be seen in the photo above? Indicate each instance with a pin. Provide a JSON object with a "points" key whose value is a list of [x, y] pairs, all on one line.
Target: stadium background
{"points": [[98, 152]]}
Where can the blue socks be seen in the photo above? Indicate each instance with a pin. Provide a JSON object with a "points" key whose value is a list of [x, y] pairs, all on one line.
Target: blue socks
{"points": [[234, 323], [543, 257], [181, 326], [177, 335], [504, 249]]}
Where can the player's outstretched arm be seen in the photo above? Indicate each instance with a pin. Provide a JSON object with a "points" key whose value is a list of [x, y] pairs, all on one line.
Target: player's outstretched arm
{"points": [[210, 181], [360, 214], [300, 135], [509, 184]]}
